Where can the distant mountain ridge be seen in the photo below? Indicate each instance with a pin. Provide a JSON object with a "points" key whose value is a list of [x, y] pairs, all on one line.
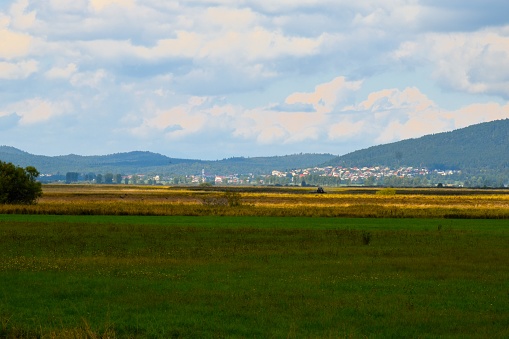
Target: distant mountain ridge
{"points": [[480, 147], [144, 162], [131, 161], [483, 146]]}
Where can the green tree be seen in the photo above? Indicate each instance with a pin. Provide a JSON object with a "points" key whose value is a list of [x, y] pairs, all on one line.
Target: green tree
{"points": [[108, 178], [370, 181], [71, 177], [18, 185], [118, 178]]}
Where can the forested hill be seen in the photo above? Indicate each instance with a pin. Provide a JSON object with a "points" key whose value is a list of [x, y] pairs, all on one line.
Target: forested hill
{"points": [[481, 146], [147, 162], [130, 162]]}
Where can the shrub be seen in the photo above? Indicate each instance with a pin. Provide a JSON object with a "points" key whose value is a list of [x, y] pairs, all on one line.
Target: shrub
{"points": [[386, 191], [18, 185], [233, 198], [366, 238], [229, 198]]}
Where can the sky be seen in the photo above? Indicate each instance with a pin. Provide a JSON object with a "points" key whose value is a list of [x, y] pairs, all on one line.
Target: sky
{"points": [[213, 79]]}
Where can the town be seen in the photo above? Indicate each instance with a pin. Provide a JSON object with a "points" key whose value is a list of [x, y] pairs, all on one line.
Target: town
{"points": [[316, 176]]}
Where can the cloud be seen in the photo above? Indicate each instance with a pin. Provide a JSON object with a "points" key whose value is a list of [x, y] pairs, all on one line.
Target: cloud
{"points": [[249, 76], [14, 45], [457, 15], [326, 96], [393, 115], [89, 79], [20, 19], [37, 110], [19, 70], [174, 123], [475, 63], [250, 46], [68, 6], [329, 118], [99, 5], [62, 73], [346, 129]]}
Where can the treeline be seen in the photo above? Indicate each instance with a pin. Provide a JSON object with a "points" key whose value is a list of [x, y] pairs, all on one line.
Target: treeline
{"points": [[475, 179], [150, 163], [108, 178]]}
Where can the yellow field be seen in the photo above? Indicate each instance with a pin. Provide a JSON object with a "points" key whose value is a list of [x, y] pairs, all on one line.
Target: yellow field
{"points": [[358, 202]]}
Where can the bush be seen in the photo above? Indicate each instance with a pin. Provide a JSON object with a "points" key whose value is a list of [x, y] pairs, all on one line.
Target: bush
{"points": [[386, 191], [231, 199], [18, 185], [366, 238]]}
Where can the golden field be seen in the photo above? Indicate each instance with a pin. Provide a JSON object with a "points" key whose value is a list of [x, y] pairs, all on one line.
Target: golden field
{"points": [[267, 201]]}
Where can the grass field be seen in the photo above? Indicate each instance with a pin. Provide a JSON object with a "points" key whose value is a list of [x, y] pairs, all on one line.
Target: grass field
{"points": [[237, 272], [296, 202]]}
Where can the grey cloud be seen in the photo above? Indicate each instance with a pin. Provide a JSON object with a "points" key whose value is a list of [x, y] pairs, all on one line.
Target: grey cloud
{"points": [[491, 66], [283, 107], [459, 15], [173, 128], [218, 80]]}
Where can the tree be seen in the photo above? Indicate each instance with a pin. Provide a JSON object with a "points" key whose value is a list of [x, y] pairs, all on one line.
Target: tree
{"points": [[71, 177], [18, 185], [108, 178], [90, 177]]}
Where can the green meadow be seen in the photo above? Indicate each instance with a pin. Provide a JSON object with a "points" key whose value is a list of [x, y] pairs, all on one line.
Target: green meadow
{"points": [[65, 276]]}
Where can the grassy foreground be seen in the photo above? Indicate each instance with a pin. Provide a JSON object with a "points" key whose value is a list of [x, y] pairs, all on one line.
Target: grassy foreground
{"points": [[125, 276]]}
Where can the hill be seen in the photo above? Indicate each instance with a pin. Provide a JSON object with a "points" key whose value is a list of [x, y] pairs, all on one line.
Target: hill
{"points": [[147, 162], [131, 162], [483, 146]]}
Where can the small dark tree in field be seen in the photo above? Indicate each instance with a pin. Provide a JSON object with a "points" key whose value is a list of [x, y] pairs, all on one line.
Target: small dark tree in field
{"points": [[18, 185], [233, 198]]}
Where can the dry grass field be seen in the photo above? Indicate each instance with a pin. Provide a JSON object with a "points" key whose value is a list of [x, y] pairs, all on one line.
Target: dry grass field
{"points": [[267, 201]]}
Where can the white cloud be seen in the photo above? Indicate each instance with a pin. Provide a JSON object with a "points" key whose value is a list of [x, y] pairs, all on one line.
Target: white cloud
{"points": [[62, 73], [174, 123], [89, 79], [38, 110], [346, 129], [326, 96], [384, 116], [99, 5], [19, 70], [393, 115], [472, 62], [14, 45], [253, 73], [69, 6], [19, 18], [232, 46]]}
